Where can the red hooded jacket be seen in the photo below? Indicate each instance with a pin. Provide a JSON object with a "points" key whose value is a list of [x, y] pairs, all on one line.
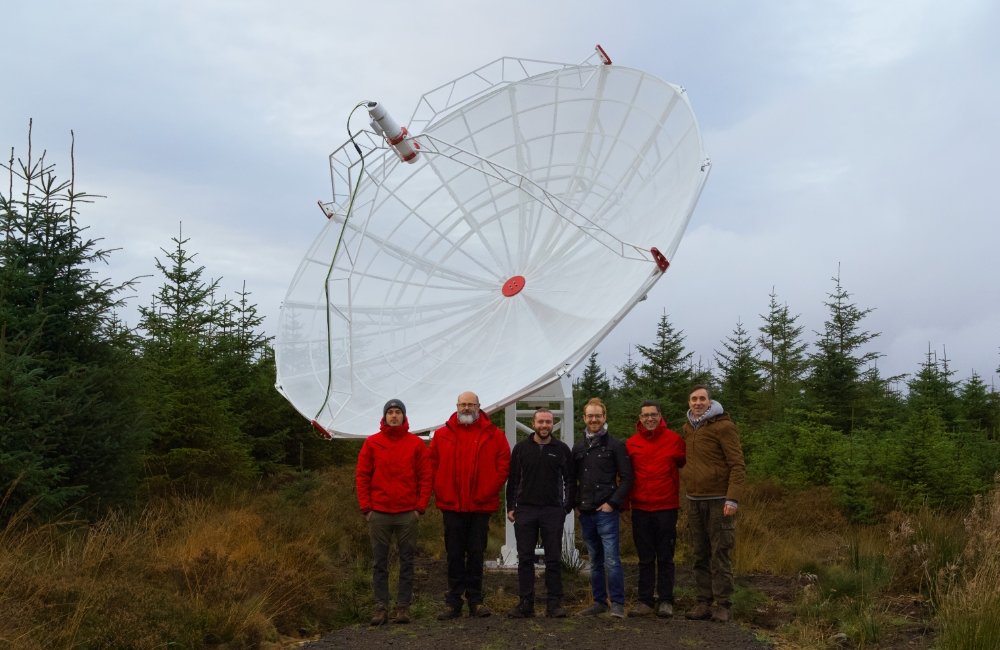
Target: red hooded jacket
{"points": [[394, 471], [470, 465], [656, 456]]}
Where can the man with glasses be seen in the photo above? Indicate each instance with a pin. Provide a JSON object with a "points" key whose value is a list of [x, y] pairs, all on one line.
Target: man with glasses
{"points": [[657, 454], [470, 458], [604, 478]]}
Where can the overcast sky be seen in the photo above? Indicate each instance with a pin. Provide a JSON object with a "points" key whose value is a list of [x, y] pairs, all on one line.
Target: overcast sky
{"points": [[860, 134]]}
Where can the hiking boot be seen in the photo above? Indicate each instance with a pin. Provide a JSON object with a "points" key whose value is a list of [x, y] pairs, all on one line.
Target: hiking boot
{"points": [[521, 611], [479, 610], [594, 610], [699, 612], [556, 611], [618, 610], [450, 612], [642, 609], [665, 609], [380, 617], [401, 615], [720, 614]]}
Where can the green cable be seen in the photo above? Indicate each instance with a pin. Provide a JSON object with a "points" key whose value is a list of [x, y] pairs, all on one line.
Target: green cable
{"points": [[329, 271]]}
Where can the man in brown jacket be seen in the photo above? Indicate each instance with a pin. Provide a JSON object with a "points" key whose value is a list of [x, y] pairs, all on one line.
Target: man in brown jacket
{"points": [[713, 478]]}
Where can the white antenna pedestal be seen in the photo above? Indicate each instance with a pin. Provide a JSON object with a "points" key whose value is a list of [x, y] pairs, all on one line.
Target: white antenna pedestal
{"points": [[560, 390]]}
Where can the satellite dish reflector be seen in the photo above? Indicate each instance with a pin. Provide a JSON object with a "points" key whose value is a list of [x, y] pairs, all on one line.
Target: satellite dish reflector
{"points": [[545, 201]]}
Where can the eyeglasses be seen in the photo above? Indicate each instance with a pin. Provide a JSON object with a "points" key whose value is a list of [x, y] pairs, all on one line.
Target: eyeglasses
{"points": [[467, 405]]}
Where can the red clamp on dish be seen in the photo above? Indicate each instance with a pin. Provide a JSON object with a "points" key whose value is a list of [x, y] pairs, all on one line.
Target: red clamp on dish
{"points": [[319, 429], [605, 59], [660, 260]]}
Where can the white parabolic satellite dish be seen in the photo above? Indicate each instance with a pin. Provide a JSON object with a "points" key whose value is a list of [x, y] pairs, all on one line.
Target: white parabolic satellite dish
{"points": [[543, 204]]}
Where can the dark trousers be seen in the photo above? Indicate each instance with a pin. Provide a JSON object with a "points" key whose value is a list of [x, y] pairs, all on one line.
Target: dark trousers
{"points": [[382, 527], [713, 536], [655, 535], [530, 522], [465, 536]]}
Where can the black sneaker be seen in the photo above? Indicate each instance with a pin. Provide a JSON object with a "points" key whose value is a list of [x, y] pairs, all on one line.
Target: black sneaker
{"points": [[557, 611], [519, 611]]}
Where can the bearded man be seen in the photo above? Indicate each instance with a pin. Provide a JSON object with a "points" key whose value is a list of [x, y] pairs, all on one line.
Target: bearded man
{"points": [[470, 458]]}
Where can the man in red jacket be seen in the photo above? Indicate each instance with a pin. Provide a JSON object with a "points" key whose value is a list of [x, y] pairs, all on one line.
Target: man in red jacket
{"points": [[393, 481], [470, 458], [657, 453]]}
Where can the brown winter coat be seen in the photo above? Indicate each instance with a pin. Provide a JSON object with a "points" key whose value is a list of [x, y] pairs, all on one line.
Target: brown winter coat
{"points": [[715, 464]]}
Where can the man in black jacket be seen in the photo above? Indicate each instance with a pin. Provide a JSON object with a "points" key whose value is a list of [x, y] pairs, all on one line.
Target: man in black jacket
{"points": [[539, 496], [604, 478]]}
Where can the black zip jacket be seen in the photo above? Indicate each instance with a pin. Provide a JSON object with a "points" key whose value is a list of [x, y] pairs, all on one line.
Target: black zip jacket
{"points": [[541, 475], [603, 473]]}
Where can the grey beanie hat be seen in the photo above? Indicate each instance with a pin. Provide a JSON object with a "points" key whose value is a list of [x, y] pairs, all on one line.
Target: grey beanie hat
{"points": [[394, 403]]}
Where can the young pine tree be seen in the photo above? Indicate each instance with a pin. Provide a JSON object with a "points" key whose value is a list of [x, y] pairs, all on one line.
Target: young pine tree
{"points": [[933, 389], [665, 373], [978, 406], [197, 443], [782, 360], [67, 412], [594, 381], [739, 378], [836, 367]]}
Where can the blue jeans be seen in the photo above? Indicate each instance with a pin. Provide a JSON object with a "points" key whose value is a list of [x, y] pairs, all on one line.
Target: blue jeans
{"points": [[601, 535]]}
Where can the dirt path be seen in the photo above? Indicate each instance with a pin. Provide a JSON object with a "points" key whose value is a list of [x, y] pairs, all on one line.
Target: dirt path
{"points": [[573, 633]]}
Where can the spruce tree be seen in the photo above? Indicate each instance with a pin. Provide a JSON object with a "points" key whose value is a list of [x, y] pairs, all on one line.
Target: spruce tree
{"points": [[666, 374], [978, 406], [594, 381], [782, 360], [71, 431], [880, 403], [197, 443], [627, 379], [837, 364], [739, 378], [933, 389]]}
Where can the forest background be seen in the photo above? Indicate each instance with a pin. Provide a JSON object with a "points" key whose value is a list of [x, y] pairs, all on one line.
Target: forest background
{"points": [[112, 432]]}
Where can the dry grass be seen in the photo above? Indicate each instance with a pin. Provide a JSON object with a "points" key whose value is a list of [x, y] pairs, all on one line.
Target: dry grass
{"points": [[968, 591], [189, 572], [784, 533], [251, 572]]}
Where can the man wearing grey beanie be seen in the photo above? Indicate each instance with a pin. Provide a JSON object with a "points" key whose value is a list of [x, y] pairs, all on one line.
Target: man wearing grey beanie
{"points": [[393, 481]]}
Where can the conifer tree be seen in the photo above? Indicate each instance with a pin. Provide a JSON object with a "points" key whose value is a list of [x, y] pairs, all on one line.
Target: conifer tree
{"points": [[933, 389], [880, 403], [839, 360], [627, 379], [67, 413], [738, 371], [594, 381], [782, 360], [978, 407], [666, 374], [197, 442]]}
